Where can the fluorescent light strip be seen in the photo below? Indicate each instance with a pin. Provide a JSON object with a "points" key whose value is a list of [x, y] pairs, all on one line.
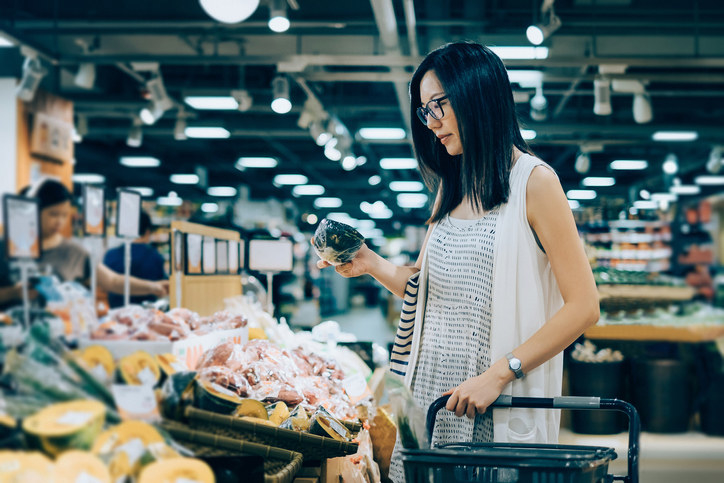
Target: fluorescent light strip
{"points": [[374, 180], [5, 42], [382, 133], [184, 179], [221, 191], [528, 134], [327, 203], [398, 163], [675, 136], [209, 207], [629, 164], [201, 132], [411, 200], [140, 161], [523, 53], [686, 189], [581, 194], [646, 205], [216, 103], [142, 190], [90, 178], [598, 181], [406, 186], [574, 204], [708, 180], [169, 201], [308, 189], [290, 179], [256, 162], [670, 197]]}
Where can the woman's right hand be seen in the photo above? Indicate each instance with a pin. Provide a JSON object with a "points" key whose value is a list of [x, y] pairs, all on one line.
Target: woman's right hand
{"points": [[361, 264]]}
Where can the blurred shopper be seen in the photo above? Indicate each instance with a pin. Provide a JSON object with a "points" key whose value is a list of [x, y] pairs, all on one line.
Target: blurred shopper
{"points": [[63, 257], [507, 283], [146, 262]]}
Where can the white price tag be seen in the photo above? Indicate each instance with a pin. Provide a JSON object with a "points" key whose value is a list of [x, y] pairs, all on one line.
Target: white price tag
{"points": [[136, 402], [74, 418], [99, 372], [134, 449], [147, 377]]}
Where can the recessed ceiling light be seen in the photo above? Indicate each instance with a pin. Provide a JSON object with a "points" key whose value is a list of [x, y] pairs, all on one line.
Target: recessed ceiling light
{"points": [[574, 204], [675, 136], [522, 53], [398, 163], [669, 197], [256, 162], [184, 179], [411, 200], [169, 201], [327, 202], [374, 180], [210, 207], [406, 186], [221, 191], [204, 132], [142, 190], [581, 194], [90, 178], [290, 179], [140, 161], [598, 181], [217, 103], [629, 164], [528, 134], [685, 189], [709, 180], [382, 133], [646, 205], [308, 189]]}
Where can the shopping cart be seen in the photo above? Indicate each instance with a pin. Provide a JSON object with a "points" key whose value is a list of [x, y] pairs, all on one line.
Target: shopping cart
{"points": [[523, 463]]}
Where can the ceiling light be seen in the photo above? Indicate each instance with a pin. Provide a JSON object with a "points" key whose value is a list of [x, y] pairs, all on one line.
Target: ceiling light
{"points": [[89, 178], [169, 201], [278, 21], [149, 114], [243, 99], [5, 42], [675, 136], [528, 134], [671, 164], [199, 132], [179, 130], [525, 78], [140, 161], [382, 215], [280, 88], [642, 111], [398, 163], [160, 102], [312, 219], [327, 203], [382, 133], [716, 158], [583, 163], [602, 96], [331, 151], [216, 103], [669, 197], [229, 11], [549, 23], [209, 207], [255, 162], [521, 53], [411, 200], [319, 134], [709, 180], [685, 189], [221, 191], [135, 137], [349, 163], [141, 190], [81, 125], [308, 189], [374, 180], [598, 181], [184, 178], [86, 76], [33, 73], [646, 205], [290, 179], [645, 194], [406, 186], [538, 105], [581, 194], [629, 164], [574, 204]]}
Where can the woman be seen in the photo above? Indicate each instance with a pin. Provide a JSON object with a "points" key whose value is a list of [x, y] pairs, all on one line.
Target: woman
{"points": [[508, 283], [65, 258]]}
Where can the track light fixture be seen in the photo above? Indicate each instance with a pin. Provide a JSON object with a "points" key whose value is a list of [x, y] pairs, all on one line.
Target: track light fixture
{"points": [[583, 163], [86, 76], [278, 20], [33, 73], [229, 11], [280, 88], [602, 96], [716, 158], [550, 22], [642, 112], [135, 134], [539, 105], [671, 164], [243, 98]]}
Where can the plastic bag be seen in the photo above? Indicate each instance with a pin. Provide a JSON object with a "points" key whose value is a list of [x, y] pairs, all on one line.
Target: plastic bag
{"points": [[411, 418], [336, 242]]}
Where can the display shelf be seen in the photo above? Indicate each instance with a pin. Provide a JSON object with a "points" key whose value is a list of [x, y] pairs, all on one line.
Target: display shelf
{"points": [[645, 292], [644, 332]]}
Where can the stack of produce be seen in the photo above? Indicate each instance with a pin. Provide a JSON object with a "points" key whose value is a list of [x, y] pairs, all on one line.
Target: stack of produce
{"points": [[137, 323]]}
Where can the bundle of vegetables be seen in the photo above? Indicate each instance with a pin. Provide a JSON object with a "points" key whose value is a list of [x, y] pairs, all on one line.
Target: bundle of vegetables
{"points": [[138, 323]]}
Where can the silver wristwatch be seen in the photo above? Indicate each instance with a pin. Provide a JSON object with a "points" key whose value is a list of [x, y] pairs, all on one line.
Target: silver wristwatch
{"points": [[515, 365]]}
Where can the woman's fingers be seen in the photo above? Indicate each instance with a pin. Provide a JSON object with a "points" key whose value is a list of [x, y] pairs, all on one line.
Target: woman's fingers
{"points": [[452, 402], [470, 412], [322, 264]]}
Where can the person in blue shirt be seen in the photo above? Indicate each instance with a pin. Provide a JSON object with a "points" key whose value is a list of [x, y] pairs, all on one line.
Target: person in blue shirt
{"points": [[146, 262]]}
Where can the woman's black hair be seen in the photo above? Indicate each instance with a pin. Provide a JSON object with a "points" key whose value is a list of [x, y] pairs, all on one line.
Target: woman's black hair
{"points": [[477, 86], [49, 192]]}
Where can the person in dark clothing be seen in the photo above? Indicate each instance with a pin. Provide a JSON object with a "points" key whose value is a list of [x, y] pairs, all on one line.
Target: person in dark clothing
{"points": [[146, 262]]}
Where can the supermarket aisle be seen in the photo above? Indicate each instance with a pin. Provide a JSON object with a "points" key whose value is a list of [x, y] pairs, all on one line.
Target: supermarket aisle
{"points": [[368, 324]]}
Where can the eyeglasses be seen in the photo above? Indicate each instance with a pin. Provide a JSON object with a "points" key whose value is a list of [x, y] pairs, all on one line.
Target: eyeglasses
{"points": [[432, 109]]}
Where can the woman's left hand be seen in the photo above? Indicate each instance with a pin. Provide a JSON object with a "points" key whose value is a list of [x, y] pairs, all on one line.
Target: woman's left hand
{"points": [[475, 395]]}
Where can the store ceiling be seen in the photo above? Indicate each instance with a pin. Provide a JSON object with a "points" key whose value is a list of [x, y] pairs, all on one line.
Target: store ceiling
{"points": [[357, 68]]}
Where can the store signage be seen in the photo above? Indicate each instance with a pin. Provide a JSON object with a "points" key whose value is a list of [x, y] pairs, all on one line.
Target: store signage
{"points": [[233, 256], [271, 255], [22, 227], [129, 214], [52, 137], [222, 256], [208, 255], [94, 211], [193, 254]]}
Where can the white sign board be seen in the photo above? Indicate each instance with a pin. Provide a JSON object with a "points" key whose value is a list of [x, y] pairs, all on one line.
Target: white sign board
{"points": [[271, 255], [129, 214]]}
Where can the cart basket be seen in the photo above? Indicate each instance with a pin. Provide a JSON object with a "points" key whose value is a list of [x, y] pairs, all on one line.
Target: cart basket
{"points": [[523, 463]]}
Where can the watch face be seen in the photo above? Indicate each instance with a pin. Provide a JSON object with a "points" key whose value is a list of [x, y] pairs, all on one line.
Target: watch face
{"points": [[515, 364]]}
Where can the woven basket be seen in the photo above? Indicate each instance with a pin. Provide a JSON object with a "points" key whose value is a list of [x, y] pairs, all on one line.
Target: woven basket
{"points": [[313, 447], [280, 465]]}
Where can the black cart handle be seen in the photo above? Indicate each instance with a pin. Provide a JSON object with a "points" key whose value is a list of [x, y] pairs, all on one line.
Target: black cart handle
{"points": [[566, 402]]}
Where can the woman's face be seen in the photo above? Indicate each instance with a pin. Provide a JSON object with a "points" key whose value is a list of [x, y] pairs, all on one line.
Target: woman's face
{"points": [[445, 129], [53, 218]]}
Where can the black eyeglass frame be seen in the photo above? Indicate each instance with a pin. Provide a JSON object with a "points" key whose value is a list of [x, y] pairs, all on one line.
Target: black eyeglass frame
{"points": [[424, 111]]}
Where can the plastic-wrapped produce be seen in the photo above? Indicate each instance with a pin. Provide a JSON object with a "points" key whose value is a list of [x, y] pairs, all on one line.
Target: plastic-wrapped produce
{"points": [[336, 242]]}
